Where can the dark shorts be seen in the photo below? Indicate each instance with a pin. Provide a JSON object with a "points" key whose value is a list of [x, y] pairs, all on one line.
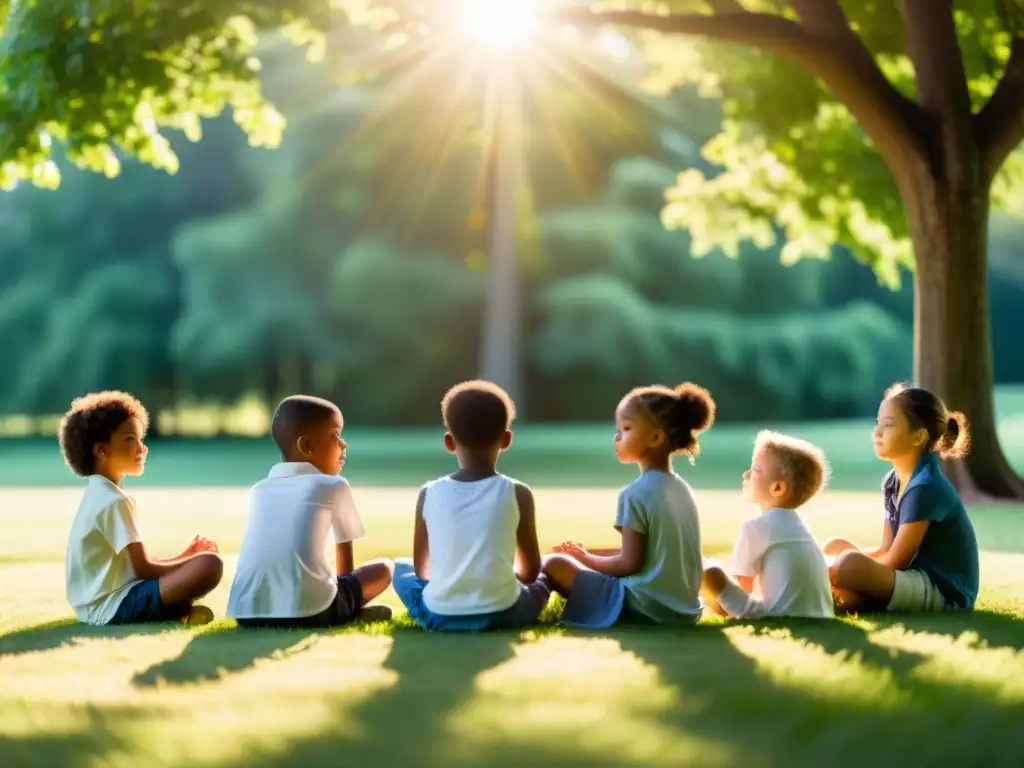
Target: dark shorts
{"points": [[344, 608], [533, 598], [142, 605]]}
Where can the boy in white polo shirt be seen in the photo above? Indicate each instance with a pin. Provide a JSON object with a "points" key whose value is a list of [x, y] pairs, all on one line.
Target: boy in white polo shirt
{"points": [[110, 576], [775, 552], [283, 578]]}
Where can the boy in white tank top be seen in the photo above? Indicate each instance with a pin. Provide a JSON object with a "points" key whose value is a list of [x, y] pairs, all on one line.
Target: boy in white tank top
{"points": [[476, 560]]}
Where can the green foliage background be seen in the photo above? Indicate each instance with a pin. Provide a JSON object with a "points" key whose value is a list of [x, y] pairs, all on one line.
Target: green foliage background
{"points": [[351, 262]]}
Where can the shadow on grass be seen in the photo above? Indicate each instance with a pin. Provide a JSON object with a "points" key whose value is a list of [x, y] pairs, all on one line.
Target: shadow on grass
{"points": [[829, 693], [99, 733], [216, 653], [410, 723], [55, 634], [915, 714]]}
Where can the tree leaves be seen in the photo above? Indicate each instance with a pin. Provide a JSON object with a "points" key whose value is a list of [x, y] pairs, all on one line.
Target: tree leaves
{"points": [[106, 77]]}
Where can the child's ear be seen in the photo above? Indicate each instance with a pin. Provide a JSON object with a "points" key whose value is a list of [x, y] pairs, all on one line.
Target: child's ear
{"points": [[506, 440], [449, 442], [920, 438], [779, 489], [657, 438], [99, 449], [302, 443]]}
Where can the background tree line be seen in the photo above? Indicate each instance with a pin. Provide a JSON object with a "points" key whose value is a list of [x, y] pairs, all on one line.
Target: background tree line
{"points": [[343, 264]]}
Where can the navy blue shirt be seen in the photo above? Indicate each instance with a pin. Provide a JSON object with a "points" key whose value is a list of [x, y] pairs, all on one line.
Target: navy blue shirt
{"points": [[949, 550]]}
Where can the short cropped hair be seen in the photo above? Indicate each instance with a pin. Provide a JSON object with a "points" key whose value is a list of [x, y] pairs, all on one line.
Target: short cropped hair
{"points": [[295, 416], [801, 464], [477, 413], [92, 419]]}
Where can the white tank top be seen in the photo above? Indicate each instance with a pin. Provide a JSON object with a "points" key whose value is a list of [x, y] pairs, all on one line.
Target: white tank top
{"points": [[471, 530]]}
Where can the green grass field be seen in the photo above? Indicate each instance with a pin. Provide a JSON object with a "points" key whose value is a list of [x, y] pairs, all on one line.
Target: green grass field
{"points": [[552, 456], [946, 690]]}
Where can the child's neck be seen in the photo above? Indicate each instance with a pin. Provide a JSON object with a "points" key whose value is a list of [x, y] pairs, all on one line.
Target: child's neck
{"points": [[115, 477], [655, 464], [475, 467], [905, 466]]}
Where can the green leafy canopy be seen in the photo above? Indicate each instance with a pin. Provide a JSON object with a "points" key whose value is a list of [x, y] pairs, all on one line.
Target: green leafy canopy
{"points": [[104, 77]]}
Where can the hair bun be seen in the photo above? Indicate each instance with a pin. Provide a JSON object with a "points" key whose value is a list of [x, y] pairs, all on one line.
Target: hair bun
{"points": [[695, 405], [953, 427]]}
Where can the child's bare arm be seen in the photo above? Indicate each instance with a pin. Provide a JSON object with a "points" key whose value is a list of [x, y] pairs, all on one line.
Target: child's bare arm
{"points": [[420, 542], [626, 562], [146, 567], [344, 558], [527, 565]]}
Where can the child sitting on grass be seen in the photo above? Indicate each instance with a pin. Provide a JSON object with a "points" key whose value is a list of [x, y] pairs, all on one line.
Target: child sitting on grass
{"points": [[655, 577], [110, 577], [476, 559], [928, 557], [775, 552], [283, 579]]}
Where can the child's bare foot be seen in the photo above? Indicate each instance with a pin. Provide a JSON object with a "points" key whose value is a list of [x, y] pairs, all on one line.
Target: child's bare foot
{"points": [[375, 613], [197, 616]]}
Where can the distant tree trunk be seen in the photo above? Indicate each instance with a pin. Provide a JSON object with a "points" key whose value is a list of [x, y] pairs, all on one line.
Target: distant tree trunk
{"points": [[500, 339]]}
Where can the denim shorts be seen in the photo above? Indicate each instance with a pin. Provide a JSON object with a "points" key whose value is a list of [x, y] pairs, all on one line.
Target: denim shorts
{"points": [[143, 604], [533, 598]]}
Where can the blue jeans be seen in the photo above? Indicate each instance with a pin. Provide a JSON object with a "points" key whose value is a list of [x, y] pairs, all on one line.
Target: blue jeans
{"points": [[533, 598]]}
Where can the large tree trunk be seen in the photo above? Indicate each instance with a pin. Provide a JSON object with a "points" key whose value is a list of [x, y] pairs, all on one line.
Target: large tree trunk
{"points": [[948, 218]]}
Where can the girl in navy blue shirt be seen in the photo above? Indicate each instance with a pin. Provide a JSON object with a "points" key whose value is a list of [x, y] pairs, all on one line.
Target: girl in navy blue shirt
{"points": [[928, 557]]}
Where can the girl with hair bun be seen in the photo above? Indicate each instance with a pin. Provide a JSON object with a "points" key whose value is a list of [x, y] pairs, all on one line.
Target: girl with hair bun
{"points": [[656, 575], [928, 558]]}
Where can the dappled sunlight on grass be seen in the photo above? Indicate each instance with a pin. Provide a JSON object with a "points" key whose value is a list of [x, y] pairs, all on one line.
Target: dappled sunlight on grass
{"points": [[966, 660], [802, 665], [723, 693], [562, 684], [242, 692]]}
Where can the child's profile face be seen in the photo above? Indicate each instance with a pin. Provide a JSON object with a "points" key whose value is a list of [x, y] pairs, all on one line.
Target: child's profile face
{"points": [[125, 453], [635, 436], [762, 483], [893, 436], [324, 446]]}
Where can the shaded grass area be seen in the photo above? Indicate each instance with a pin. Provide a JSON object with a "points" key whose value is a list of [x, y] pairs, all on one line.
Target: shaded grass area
{"points": [[935, 690]]}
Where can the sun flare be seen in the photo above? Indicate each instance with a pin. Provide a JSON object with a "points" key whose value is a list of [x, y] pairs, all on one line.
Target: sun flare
{"points": [[498, 23]]}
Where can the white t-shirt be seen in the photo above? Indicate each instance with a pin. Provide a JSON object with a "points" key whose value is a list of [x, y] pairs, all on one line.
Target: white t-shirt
{"points": [[471, 532], [98, 571], [283, 571], [779, 551]]}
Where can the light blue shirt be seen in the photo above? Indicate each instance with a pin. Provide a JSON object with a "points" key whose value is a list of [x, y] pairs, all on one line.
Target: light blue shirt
{"points": [[661, 506]]}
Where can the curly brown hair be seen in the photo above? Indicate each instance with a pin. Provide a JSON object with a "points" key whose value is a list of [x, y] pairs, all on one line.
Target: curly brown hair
{"points": [[92, 419]]}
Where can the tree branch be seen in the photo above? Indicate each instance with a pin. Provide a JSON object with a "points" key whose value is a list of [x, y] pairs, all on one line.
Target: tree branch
{"points": [[999, 126], [888, 118]]}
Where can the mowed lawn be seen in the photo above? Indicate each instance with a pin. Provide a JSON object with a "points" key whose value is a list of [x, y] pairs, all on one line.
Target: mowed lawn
{"points": [[945, 690]]}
